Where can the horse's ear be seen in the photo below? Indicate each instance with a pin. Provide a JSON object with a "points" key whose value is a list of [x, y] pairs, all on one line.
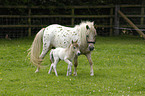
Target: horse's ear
{"points": [[87, 27], [76, 41], [95, 26]]}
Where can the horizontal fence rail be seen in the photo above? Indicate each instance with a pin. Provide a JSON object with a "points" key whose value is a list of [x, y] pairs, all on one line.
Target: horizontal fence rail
{"points": [[28, 20]]}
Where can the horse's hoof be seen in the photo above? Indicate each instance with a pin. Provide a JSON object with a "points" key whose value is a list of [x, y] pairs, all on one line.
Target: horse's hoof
{"points": [[75, 74], [92, 74]]}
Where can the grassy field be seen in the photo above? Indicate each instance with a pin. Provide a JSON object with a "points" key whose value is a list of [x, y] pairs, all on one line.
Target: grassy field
{"points": [[119, 67]]}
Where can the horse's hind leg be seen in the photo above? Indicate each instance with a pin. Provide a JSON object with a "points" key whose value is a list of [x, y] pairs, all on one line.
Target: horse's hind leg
{"points": [[46, 48]]}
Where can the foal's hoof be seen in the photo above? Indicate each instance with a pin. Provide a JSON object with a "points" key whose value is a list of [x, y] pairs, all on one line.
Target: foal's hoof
{"points": [[70, 74], [36, 71]]}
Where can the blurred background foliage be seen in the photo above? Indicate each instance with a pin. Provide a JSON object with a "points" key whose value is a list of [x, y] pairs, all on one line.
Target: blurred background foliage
{"points": [[17, 32], [68, 2]]}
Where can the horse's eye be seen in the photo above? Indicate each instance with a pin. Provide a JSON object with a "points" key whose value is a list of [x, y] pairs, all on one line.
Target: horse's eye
{"points": [[74, 47]]}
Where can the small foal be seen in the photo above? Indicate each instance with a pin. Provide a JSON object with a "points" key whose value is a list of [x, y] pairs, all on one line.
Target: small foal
{"points": [[66, 54]]}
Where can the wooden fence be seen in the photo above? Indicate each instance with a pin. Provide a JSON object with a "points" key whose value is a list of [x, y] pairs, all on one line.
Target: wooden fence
{"points": [[34, 18]]}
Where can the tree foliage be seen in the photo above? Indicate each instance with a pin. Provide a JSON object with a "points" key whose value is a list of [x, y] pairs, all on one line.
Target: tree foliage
{"points": [[67, 2]]}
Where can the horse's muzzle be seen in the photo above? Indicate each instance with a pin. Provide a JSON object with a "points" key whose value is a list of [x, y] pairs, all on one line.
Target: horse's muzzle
{"points": [[91, 48]]}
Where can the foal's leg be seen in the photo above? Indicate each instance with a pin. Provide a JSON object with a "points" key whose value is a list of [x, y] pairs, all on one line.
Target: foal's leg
{"points": [[54, 66], [91, 63], [50, 68], [46, 48], [75, 65], [69, 67]]}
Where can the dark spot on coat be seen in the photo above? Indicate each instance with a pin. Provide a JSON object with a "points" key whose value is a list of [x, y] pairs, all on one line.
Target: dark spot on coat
{"points": [[64, 35]]}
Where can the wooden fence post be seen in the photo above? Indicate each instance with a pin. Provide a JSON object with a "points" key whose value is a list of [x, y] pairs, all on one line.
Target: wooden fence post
{"points": [[142, 15], [116, 20], [29, 22], [130, 22], [111, 21], [72, 20]]}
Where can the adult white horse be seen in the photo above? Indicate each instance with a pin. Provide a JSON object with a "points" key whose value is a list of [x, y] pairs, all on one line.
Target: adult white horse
{"points": [[56, 35]]}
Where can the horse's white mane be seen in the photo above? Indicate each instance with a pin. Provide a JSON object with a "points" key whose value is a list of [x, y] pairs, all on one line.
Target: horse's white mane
{"points": [[83, 30]]}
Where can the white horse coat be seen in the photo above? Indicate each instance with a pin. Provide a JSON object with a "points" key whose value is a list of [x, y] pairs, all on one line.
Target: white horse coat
{"points": [[59, 36]]}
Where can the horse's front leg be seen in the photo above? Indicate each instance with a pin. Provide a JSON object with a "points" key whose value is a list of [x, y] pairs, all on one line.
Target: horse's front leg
{"points": [[88, 55], [75, 65]]}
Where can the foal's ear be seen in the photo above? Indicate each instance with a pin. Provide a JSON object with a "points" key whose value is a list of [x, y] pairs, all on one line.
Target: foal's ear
{"points": [[87, 27]]}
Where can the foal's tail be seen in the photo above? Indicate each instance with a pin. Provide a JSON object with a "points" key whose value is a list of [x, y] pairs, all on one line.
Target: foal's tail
{"points": [[36, 48], [51, 56]]}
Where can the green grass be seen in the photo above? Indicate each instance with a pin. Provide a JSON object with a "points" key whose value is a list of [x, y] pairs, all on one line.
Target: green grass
{"points": [[119, 67]]}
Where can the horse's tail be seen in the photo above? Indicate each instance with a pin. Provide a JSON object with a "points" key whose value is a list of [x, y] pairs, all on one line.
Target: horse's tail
{"points": [[51, 56], [36, 48]]}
